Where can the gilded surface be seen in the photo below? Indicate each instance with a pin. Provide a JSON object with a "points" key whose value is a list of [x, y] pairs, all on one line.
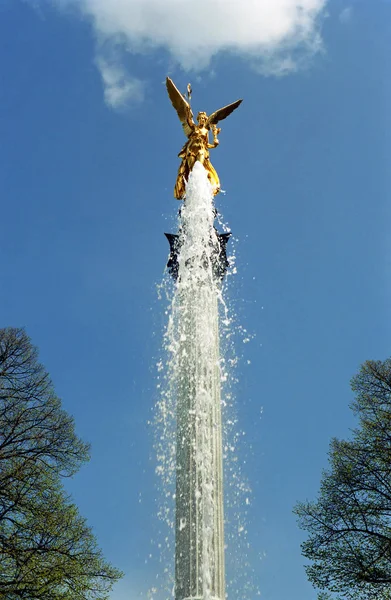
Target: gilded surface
{"points": [[197, 146]]}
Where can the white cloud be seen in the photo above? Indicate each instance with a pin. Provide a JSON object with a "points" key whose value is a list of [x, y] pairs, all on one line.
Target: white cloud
{"points": [[275, 36], [193, 32], [121, 89]]}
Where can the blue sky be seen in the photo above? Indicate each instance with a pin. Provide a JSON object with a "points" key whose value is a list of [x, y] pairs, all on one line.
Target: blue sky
{"points": [[87, 166]]}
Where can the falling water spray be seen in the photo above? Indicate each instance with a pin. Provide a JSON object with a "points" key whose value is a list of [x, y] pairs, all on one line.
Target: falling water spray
{"points": [[198, 262]]}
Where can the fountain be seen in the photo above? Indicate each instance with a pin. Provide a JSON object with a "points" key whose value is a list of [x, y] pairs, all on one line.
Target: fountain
{"points": [[199, 522]]}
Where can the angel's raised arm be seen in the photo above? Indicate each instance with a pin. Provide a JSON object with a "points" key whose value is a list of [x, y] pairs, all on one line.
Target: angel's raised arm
{"points": [[181, 106]]}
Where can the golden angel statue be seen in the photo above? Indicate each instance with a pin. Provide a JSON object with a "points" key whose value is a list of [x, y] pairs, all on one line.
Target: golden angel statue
{"points": [[197, 146]]}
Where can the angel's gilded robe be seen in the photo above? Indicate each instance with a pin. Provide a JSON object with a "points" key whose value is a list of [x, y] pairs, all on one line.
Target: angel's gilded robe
{"points": [[196, 148]]}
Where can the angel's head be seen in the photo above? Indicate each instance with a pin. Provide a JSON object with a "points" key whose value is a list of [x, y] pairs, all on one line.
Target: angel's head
{"points": [[202, 119]]}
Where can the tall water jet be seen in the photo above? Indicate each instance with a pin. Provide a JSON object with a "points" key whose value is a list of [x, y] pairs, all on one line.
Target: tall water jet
{"points": [[198, 263], [199, 520]]}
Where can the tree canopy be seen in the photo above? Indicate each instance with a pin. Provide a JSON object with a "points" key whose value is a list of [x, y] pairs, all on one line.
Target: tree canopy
{"points": [[349, 525], [47, 551]]}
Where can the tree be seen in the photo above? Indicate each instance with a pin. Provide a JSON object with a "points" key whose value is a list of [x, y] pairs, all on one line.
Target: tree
{"points": [[47, 551], [349, 526]]}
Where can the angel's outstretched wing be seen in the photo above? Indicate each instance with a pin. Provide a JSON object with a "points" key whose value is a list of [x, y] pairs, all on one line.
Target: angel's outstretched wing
{"points": [[222, 113], [181, 105]]}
